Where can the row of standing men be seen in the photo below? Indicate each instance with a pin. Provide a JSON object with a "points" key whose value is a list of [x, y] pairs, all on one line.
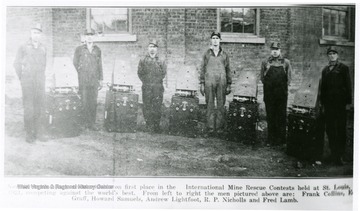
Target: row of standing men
{"points": [[215, 84]]}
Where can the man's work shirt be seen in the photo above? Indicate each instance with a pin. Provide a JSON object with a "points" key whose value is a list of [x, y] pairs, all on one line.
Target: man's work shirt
{"points": [[223, 67], [30, 63], [89, 65], [336, 85], [151, 70]]}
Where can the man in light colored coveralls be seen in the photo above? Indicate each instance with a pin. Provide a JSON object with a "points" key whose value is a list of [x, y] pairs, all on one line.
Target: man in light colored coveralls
{"points": [[215, 83]]}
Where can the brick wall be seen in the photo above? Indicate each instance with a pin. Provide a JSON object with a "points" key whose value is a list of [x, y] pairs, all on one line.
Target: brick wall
{"points": [[19, 21], [304, 44], [147, 24], [306, 53], [200, 22], [183, 35], [175, 48], [68, 25], [274, 26]]}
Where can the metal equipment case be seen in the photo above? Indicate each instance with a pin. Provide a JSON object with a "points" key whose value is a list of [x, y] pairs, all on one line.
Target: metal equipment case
{"points": [[62, 102], [121, 103], [243, 110], [184, 108], [306, 124]]}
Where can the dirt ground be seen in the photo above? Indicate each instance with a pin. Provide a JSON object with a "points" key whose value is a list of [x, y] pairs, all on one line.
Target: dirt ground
{"points": [[100, 153]]}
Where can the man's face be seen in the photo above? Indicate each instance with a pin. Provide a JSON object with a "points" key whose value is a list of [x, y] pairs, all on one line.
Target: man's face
{"points": [[275, 52], [333, 56], [215, 41], [89, 41], [152, 49], [35, 35]]}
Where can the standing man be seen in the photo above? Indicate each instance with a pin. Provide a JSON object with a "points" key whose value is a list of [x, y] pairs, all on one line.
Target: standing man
{"points": [[88, 63], [152, 71], [215, 83], [30, 65], [335, 94], [276, 77]]}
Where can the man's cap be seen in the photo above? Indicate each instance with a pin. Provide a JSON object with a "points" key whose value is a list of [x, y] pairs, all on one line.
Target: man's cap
{"points": [[275, 45], [88, 36], [154, 42], [331, 49], [89, 33], [37, 26], [215, 34]]}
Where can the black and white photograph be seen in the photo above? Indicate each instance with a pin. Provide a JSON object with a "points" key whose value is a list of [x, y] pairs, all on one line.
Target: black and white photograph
{"points": [[220, 99]]}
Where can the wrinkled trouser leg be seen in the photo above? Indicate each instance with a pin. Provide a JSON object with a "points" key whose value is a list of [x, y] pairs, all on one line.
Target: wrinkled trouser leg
{"points": [[281, 120], [152, 96], [147, 96], [270, 117], [89, 102], [215, 88], [335, 118], [220, 104], [33, 93], [276, 119], [210, 90], [28, 97], [156, 104]]}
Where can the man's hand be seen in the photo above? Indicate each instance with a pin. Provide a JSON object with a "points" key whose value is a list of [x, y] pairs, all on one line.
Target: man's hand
{"points": [[100, 85], [202, 89], [228, 89]]}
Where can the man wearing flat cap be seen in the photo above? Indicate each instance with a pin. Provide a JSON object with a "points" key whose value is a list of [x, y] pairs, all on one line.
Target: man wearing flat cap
{"points": [[30, 64], [335, 94], [88, 63], [215, 83], [276, 77], [152, 71]]}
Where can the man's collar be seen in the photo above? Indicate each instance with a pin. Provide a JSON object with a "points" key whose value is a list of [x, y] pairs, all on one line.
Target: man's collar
{"points": [[155, 57], [271, 58], [212, 49], [85, 46], [30, 42], [333, 63]]}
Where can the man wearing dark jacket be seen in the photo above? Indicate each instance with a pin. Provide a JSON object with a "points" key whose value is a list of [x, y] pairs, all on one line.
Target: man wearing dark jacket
{"points": [[30, 64], [335, 94], [88, 63], [215, 83], [151, 71]]}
